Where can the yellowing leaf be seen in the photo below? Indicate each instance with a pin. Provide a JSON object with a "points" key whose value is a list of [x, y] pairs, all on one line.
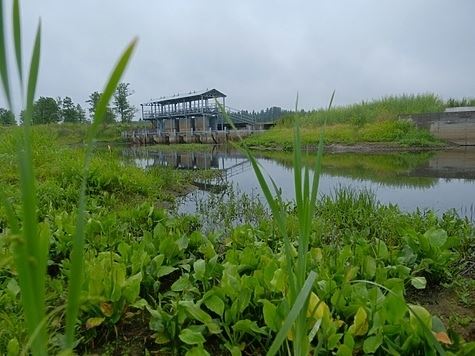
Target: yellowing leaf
{"points": [[93, 322], [317, 308], [161, 338], [360, 324], [351, 273], [106, 309], [443, 338], [317, 254]]}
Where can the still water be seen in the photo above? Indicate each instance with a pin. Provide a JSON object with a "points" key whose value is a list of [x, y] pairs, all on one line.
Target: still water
{"points": [[439, 181]]}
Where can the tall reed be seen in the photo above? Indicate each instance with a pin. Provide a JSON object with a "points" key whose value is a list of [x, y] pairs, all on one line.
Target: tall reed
{"points": [[32, 242]]}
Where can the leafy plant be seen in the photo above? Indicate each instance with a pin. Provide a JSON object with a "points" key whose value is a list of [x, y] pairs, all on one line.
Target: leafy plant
{"points": [[31, 247]]}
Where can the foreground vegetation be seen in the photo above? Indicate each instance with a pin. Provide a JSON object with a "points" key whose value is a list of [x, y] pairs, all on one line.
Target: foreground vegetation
{"points": [[116, 272], [155, 281], [375, 121]]}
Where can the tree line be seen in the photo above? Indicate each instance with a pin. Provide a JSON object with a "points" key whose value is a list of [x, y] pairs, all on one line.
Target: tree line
{"points": [[266, 115], [48, 110]]}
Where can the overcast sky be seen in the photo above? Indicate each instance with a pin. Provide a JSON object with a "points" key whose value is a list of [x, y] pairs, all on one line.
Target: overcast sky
{"points": [[258, 52]]}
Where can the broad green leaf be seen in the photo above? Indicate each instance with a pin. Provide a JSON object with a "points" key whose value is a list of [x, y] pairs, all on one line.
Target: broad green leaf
{"points": [[181, 284], [140, 304], [396, 308], [349, 341], [333, 341], [215, 304], [131, 287], [197, 351], [437, 324], [419, 282], [200, 315], [200, 269], [344, 350], [381, 249], [436, 237], [279, 281], [369, 267], [182, 242], [191, 337], [233, 349], [13, 347], [13, 288], [249, 327], [165, 270], [360, 323], [419, 315], [372, 343], [270, 315]]}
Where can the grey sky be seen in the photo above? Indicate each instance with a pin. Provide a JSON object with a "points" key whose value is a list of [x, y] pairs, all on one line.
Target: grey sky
{"points": [[258, 52]]}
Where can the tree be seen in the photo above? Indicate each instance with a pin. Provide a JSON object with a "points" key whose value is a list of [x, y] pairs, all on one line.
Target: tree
{"points": [[93, 101], [70, 112], [124, 110], [81, 113], [45, 111], [7, 117]]}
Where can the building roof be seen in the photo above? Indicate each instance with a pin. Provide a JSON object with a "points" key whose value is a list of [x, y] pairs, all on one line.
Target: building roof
{"points": [[191, 96]]}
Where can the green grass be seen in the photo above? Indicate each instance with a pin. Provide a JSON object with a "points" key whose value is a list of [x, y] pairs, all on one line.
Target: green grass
{"points": [[396, 132], [386, 108], [376, 121]]}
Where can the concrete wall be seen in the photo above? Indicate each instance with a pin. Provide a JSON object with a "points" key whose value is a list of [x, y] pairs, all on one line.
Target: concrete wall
{"points": [[185, 125], [202, 124], [455, 127]]}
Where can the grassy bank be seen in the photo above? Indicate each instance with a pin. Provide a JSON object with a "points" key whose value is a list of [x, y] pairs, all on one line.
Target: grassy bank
{"points": [[67, 133], [375, 121], [156, 282]]}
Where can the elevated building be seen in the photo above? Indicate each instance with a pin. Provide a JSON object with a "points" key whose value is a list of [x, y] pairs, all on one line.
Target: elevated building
{"points": [[193, 112]]}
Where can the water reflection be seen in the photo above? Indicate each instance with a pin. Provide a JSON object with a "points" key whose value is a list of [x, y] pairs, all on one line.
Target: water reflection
{"points": [[437, 180]]}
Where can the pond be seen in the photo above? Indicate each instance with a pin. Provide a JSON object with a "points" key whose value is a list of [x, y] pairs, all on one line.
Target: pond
{"points": [[439, 181]]}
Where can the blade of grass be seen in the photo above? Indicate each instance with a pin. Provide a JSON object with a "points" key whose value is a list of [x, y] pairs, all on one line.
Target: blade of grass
{"points": [[33, 78], [293, 314], [17, 38], [30, 251], [318, 164], [3, 60], [77, 253], [297, 164]]}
